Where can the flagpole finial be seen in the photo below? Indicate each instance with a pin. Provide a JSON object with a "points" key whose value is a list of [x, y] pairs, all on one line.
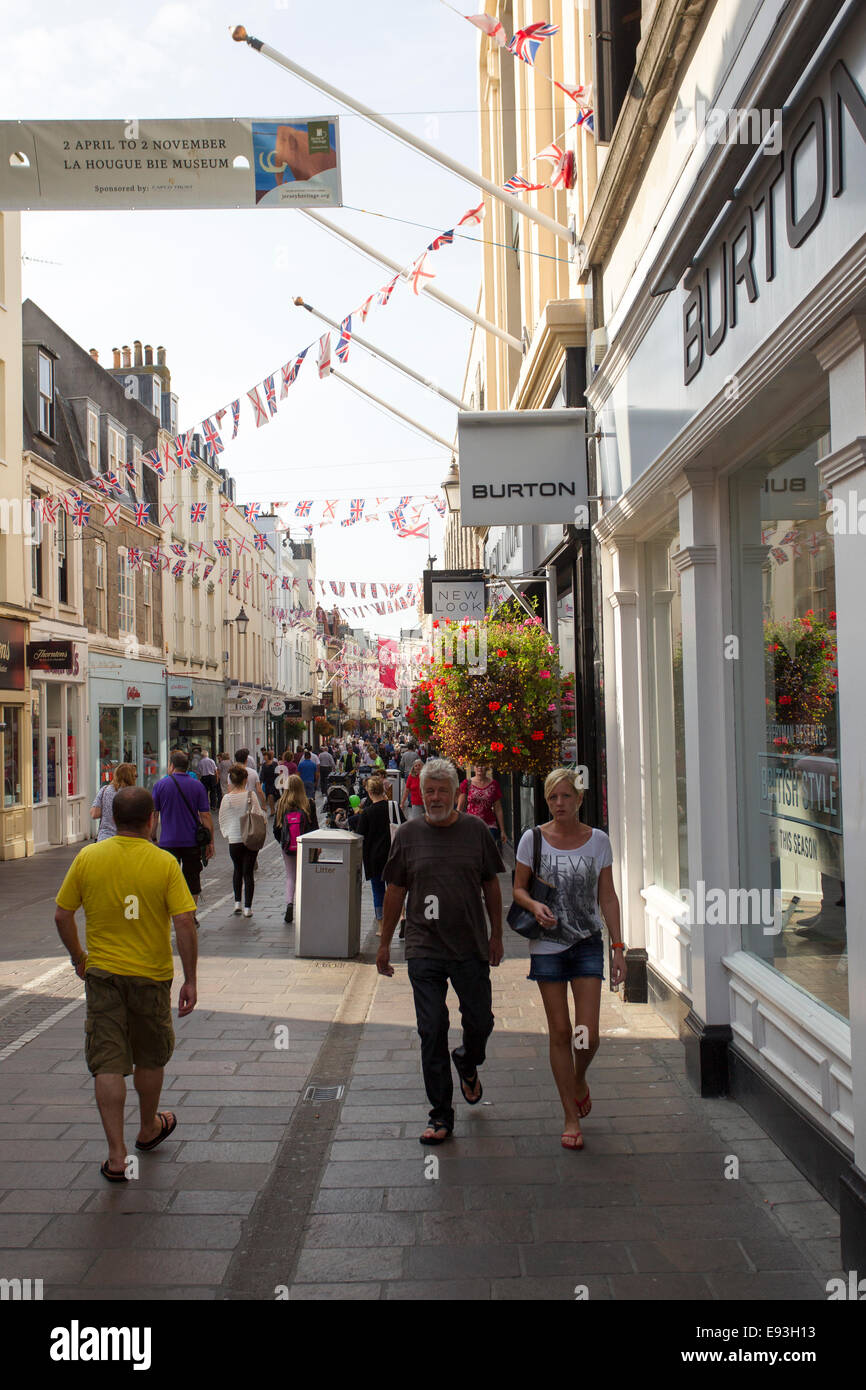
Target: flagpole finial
{"points": [[239, 34], [299, 300]]}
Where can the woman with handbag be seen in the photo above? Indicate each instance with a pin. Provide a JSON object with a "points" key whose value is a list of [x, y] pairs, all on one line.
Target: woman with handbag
{"points": [[295, 814], [374, 825], [563, 877], [243, 823]]}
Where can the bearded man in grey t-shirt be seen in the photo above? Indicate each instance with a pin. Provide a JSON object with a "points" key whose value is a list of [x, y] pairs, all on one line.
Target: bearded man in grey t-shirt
{"points": [[446, 862]]}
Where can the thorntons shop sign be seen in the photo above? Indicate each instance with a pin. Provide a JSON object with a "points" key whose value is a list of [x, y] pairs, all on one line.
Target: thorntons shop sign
{"points": [[522, 467]]}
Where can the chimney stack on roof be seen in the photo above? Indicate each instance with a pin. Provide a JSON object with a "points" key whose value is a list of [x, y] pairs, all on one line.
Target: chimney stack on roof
{"points": [[148, 355], [116, 352], [139, 361], [94, 353], [127, 355], [160, 356]]}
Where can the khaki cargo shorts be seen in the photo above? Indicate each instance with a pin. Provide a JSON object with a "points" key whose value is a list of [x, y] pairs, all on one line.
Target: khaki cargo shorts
{"points": [[128, 1023]]}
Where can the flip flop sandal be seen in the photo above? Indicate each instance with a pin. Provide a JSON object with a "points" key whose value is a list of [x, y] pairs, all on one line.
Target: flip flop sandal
{"points": [[584, 1106], [111, 1174], [468, 1081], [572, 1141], [432, 1140], [167, 1129]]}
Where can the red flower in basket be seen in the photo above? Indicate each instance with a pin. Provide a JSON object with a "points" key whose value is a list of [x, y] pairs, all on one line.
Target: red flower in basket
{"points": [[537, 734], [501, 653], [494, 705], [496, 747]]}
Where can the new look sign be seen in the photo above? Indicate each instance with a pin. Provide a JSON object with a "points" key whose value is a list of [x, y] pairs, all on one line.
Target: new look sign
{"points": [[522, 467]]}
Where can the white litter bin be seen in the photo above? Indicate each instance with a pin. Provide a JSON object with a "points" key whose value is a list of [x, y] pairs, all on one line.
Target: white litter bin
{"points": [[328, 907]]}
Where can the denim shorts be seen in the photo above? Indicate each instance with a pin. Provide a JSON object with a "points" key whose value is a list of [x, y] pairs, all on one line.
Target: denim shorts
{"points": [[585, 959]]}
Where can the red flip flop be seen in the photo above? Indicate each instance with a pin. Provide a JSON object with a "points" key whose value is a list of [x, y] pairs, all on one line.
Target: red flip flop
{"points": [[584, 1106], [572, 1141], [167, 1129]]}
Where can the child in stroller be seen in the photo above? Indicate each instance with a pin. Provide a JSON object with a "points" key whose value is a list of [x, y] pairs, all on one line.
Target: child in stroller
{"points": [[337, 806]]}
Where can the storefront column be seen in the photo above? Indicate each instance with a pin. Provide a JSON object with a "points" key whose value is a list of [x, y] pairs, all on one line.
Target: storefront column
{"points": [[843, 356], [624, 724], [709, 781]]}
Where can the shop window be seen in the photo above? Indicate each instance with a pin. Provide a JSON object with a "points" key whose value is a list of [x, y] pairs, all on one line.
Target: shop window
{"points": [[568, 726], [149, 771], [667, 714], [130, 736], [147, 599], [37, 587], [789, 774], [36, 726], [11, 755], [72, 698], [109, 741]]}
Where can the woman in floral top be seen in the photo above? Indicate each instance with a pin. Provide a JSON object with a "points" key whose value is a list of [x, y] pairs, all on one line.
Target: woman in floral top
{"points": [[482, 796]]}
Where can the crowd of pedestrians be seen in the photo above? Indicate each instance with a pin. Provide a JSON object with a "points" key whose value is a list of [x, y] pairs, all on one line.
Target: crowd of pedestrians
{"points": [[432, 857]]}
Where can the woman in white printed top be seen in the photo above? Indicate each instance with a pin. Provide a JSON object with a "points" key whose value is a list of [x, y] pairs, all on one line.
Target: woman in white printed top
{"points": [[233, 808], [576, 860]]}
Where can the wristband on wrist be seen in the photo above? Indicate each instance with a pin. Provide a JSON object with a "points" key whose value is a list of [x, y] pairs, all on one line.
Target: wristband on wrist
{"points": [[617, 945]]}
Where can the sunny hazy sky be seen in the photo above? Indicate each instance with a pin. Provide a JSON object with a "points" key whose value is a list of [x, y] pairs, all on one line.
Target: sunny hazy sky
{"points": [[216, 288]]}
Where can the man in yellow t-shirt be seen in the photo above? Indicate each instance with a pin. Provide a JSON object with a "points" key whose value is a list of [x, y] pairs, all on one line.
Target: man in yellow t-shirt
{"points": [[130, 891]]}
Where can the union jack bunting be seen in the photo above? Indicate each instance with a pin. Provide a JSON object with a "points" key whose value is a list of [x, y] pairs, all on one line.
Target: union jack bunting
{"points": [[236, 574], [586, 117], [789, 537], [813, 542], [303, 509], [154, 559], [113, 482], [178, 568], [474, 217], [168, 457], [70, 500], [197, 511], [779, 556], [354, 589], [345, 339], [193, 566], [270, 394], [439, 504], [251, 510], [518, 184], [212, 438], [141, 513], [328, 510], [151, 461], [81, 513], [247, 579], [365, 308], [324, 355], [287, 583], [226, 504], [223, 548], [363, 591], [98, 483], [183, 457], [443, 239], [168, 511], [256, 401], [178, 550], [526, 42], [580, 94], [421, 533], [242, 546], [260, 541], [387, 290], [489, 26], [133, 556], [373, 592], [236, 417], [112, 514], [418, 273], [356, 511], [49, 508]]}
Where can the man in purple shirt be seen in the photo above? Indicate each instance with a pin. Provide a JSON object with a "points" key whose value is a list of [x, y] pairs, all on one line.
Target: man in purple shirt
{"points": [[183, 806]]}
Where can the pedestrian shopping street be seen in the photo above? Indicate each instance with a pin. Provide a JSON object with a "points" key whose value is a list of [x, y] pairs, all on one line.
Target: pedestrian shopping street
{"points": [[262, 1194]]}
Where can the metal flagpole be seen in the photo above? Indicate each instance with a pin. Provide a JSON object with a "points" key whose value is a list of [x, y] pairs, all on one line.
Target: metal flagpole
{"points": [[407, 419], [462, 309], [240, 35], [386, 357]]}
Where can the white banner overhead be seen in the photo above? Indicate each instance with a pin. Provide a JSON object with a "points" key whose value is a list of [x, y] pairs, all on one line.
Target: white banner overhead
{"points": [[200, 163]]}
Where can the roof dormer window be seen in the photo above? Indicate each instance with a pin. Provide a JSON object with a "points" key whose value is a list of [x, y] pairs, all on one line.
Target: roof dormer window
{"points": [[46, 394]]}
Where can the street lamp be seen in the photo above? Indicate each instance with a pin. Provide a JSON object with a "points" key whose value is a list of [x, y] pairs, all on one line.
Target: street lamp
{"points": [[243, 622], [451, 488]]}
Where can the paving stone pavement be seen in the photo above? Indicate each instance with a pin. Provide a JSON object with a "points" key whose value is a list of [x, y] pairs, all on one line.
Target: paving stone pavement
{"points": [[339, 1201]]}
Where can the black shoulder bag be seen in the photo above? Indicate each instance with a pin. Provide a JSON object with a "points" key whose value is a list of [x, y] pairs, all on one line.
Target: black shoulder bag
{"points": [[519, 918]]}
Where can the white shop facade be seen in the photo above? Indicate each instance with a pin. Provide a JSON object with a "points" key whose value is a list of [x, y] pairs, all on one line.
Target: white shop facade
{"points": [[732, 411]]}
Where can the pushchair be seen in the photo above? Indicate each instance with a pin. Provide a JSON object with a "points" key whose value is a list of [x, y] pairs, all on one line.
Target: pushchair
{"points": [[337, 807]]}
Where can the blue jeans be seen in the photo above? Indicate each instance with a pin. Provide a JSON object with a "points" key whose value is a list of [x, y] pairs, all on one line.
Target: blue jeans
{"points": [[378, 887]]}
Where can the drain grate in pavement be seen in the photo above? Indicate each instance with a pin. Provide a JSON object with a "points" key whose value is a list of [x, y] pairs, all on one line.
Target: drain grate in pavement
{"points": [[324, 1093]]}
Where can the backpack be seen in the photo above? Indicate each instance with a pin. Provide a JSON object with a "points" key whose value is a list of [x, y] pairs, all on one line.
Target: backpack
{"points": [[294, 825]]}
